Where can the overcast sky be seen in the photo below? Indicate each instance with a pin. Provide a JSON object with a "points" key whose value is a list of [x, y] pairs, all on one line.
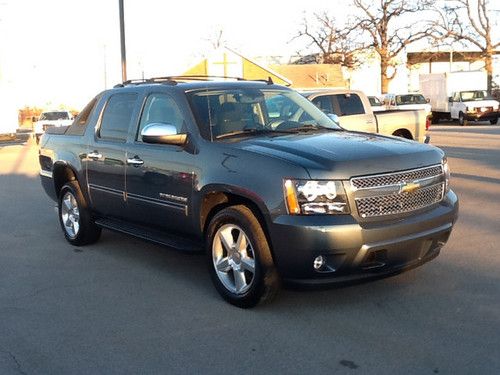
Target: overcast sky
{"points": [[58, 51]]}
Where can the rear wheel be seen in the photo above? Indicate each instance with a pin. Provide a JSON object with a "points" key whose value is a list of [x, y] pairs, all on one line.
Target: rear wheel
{"points": [[493, 122], [402, 134], [75, 217], [239, 258]]}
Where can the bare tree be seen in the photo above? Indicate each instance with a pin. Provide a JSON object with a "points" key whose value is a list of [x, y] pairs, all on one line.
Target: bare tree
{"points": [[473, 22], [382, 23], [336, 45], [216, 38]]}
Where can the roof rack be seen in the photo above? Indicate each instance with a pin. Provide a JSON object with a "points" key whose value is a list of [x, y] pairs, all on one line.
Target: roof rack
{"points": [[173, 80]]}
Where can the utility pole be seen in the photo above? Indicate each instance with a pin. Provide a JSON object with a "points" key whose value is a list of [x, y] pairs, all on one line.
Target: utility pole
{"points": [[122, 42]]}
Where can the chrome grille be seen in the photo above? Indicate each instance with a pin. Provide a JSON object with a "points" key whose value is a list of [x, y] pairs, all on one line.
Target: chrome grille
{"points": [[399, 203], [398, 192], [395, 178]]}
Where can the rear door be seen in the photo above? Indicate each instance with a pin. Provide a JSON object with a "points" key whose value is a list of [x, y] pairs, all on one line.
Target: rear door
{"points": [[105, 159], [159, 177]]}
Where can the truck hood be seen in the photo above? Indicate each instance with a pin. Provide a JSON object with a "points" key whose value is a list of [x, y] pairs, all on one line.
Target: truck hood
{"points": [[342, 154], [482, 103]]}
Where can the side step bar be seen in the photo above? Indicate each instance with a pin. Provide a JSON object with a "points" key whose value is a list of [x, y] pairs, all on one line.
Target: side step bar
{"points": [[167, 239]]}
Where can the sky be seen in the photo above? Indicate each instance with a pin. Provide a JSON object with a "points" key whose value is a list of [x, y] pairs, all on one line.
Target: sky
{"points": [[64, 52], [55, 52]]}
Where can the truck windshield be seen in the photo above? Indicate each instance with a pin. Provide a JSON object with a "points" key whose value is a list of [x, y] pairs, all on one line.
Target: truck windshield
{"points": [[468, 96], [253, 111], [53, 116], [410, 99]]}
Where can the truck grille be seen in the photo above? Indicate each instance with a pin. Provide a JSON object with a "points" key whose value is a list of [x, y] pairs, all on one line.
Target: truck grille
{"points": [[385, 194], [396, 178], [399, 203]]}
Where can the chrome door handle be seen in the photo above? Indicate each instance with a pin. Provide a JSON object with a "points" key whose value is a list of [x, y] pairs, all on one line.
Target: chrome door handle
{"points": [[135, 161], [94, 155]]}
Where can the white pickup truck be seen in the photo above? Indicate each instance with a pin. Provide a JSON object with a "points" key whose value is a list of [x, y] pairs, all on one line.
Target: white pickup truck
{"points": [[355, 113], [50, 119]]}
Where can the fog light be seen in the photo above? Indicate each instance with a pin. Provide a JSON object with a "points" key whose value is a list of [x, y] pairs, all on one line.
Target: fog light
{"points": [[319, 262]]}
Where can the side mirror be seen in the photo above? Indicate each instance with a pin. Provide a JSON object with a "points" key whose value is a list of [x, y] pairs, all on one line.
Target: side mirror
{"points": [[427, 100], [334, 118], [162, 133], [450, 99]]}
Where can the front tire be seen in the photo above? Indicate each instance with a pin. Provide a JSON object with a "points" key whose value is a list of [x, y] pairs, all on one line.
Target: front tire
{"points": [[239, 258], [75, 217], [493, 122], [461, 119]]}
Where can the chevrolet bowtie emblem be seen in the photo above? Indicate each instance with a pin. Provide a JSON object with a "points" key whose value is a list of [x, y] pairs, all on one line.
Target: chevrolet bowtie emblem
{"points": [[409, 187]]}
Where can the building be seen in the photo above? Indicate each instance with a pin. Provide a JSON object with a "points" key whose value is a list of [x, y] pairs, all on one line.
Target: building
{"points": [[225, 62]]}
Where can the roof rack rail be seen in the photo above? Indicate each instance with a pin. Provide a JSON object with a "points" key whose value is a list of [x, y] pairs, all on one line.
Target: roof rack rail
{"points": [[173, 80]]}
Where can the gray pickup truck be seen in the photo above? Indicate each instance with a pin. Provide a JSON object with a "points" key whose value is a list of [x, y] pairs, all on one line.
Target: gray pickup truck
{"points": [[253, 173]]}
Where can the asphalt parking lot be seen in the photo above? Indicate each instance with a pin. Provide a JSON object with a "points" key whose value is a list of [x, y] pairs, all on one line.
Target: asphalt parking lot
{"points": [[128, 306]]}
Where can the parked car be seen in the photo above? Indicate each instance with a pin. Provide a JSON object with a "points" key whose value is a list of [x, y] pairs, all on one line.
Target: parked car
{"points": [[50, 119], [460, 96], [407, 101], [355, 113], [377, 104], [281, 196]]}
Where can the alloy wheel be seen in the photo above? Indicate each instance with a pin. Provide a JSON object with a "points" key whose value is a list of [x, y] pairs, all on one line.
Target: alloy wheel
{"points": [[233, 258], [70, 215]]}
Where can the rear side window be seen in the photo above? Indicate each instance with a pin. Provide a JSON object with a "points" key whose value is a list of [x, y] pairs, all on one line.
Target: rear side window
{"points": [[84, 115], [117, 116], [349, 104], [80, 123]]}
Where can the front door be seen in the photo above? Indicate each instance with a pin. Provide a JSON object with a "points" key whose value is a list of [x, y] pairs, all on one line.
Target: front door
{"points": [[159, 178]]}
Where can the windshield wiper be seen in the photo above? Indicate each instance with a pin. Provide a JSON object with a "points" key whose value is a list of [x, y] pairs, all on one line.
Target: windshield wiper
{"points": [[312, 127], [252, 131]]}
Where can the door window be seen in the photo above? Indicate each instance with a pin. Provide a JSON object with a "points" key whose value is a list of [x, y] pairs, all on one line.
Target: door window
{"points": [[117, 116], [324, 103], [349, 104], [161, 108]]}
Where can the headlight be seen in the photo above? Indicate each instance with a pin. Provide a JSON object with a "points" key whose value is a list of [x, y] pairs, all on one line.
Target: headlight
{"points": [[446, 171], [309, 197]]}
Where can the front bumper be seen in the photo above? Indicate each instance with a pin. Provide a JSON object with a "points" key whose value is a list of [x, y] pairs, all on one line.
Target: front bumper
{"points": [[482, 116], [356, 251]]}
